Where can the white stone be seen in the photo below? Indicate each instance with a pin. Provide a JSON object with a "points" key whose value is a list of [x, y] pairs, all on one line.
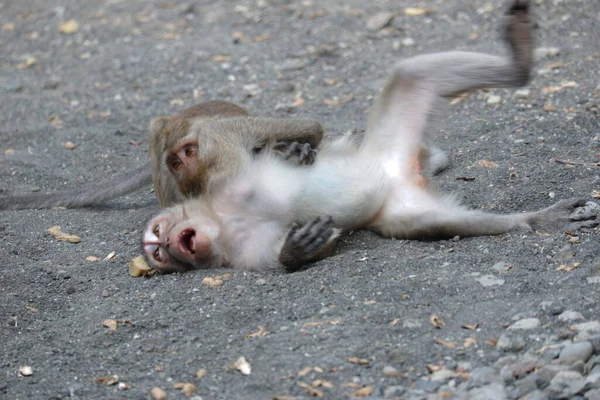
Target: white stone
{"points": [[525, 323]]}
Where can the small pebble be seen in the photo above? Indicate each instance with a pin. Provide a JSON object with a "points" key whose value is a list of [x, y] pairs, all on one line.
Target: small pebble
{"points": [[442, 375], [576, 352], [494, 99], [510, 343], [569, 315], [379, 21], [522, 93], [407, 42], [525, 324], [545, 52]]}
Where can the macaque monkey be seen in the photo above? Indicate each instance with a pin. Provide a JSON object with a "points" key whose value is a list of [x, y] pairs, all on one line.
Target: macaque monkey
{"points": [[276, 213], [192, 151]]}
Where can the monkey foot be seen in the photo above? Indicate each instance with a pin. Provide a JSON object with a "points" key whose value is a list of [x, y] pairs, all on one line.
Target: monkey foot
{"points": [[519, 33]]}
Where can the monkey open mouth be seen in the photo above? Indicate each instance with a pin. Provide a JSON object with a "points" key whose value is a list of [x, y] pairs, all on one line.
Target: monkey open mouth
{"points": [[187, 243]]}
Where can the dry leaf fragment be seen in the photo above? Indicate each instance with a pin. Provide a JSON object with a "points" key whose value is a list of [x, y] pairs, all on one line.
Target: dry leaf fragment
{"points": [[568, 84], [350, 384], [469, 342], [311, 391], [261, 332], [436, 322], [8, 27], [28, 63], [318, 369], [123, 386], [212, 282], [568, 268], [444, 343], [551, 89], [64, 237], [486, 164], [227, 276], [433, 368], [9, 152], [459, 98], [139, 267], [261, 38], [170, 36], [596, 194], [113, 323], [415, 12], [32, 309], [110, 256], [69, 145], [359, 361], [549, 107], [465, 178], [298, 102], [370, 302], [242, 365], [221, 58], [305, 371], [92, 258], [54, 120], [201, 373], [395, 322], [186, 388], [107, 380], [470, 327], [336, 101], [68, 27], [364, 391], [158, 394], [25, 370], [492, 341]]}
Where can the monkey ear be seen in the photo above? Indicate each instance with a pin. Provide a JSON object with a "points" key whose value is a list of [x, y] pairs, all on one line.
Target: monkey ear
{"points": [[156, 134]]}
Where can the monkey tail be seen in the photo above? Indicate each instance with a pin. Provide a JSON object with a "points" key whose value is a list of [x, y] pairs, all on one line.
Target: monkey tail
{"points": [[87, 196]]}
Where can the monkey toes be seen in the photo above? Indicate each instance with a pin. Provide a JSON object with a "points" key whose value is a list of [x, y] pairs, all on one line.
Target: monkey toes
{"points": [[572, 214], [306, 154]]}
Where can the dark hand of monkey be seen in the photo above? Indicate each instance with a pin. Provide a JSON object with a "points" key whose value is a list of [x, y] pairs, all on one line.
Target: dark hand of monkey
{"points": [[306, 154], [303, 243]]}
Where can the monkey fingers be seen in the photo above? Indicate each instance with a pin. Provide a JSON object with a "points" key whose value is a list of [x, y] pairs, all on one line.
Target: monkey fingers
{"points": [[303, 243], [306, 154], [571, 214]]}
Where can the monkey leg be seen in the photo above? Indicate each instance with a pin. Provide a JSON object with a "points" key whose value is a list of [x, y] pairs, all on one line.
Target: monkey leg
{"points": [[405, 107], [450, 221], [310, 242]]}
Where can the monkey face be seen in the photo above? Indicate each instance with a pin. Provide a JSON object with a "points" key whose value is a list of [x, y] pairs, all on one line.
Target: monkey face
{"points": [[173, 241], [183, 159]]}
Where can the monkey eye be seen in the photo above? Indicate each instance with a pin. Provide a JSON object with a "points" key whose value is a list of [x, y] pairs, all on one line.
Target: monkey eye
{"points": [[190, 151], [156, 230], [176, 164], [158, 254]]}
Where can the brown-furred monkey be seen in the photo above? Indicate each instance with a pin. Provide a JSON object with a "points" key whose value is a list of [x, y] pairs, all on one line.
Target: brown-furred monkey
{"points": [[248, 222], [190, 152]]}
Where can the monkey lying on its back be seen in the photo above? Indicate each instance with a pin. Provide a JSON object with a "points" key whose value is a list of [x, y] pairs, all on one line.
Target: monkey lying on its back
{"points": [[189, 154], [380, 186]]}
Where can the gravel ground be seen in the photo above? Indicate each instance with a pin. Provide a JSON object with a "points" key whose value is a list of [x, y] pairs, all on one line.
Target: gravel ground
{"points": [[365, 322]]}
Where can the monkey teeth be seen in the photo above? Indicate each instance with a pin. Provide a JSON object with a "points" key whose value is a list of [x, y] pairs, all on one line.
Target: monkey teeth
{"points": [[187, 242]]}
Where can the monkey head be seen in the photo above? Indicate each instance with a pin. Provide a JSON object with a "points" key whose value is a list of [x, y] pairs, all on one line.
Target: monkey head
{"points": [[184, 237]]}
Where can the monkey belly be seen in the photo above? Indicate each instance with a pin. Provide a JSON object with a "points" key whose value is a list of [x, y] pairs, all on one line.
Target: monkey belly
{"points": [[350, 189]]}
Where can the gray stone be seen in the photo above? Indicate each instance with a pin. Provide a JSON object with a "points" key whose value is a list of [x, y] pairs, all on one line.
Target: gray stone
{"points": [[590, 326], [569, 315], [494, 391], [545, 374], [593, 279], [407, 42], [442, 375], [525, 324], [587, 336], [522, 93], [494, 99], [526, 385], [428, 386], [592, 382], [565, 254], [411, 324], [545, 52], [380, 21], [490, 280], [566, 383], [394, 391], [592, 395], [523, 315], [535, 395], [551, 307], [510, 343], [295, 64], [500, 266], [483, 375], [388, 370], [595, 341], [506, 360], [581, 351]]}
